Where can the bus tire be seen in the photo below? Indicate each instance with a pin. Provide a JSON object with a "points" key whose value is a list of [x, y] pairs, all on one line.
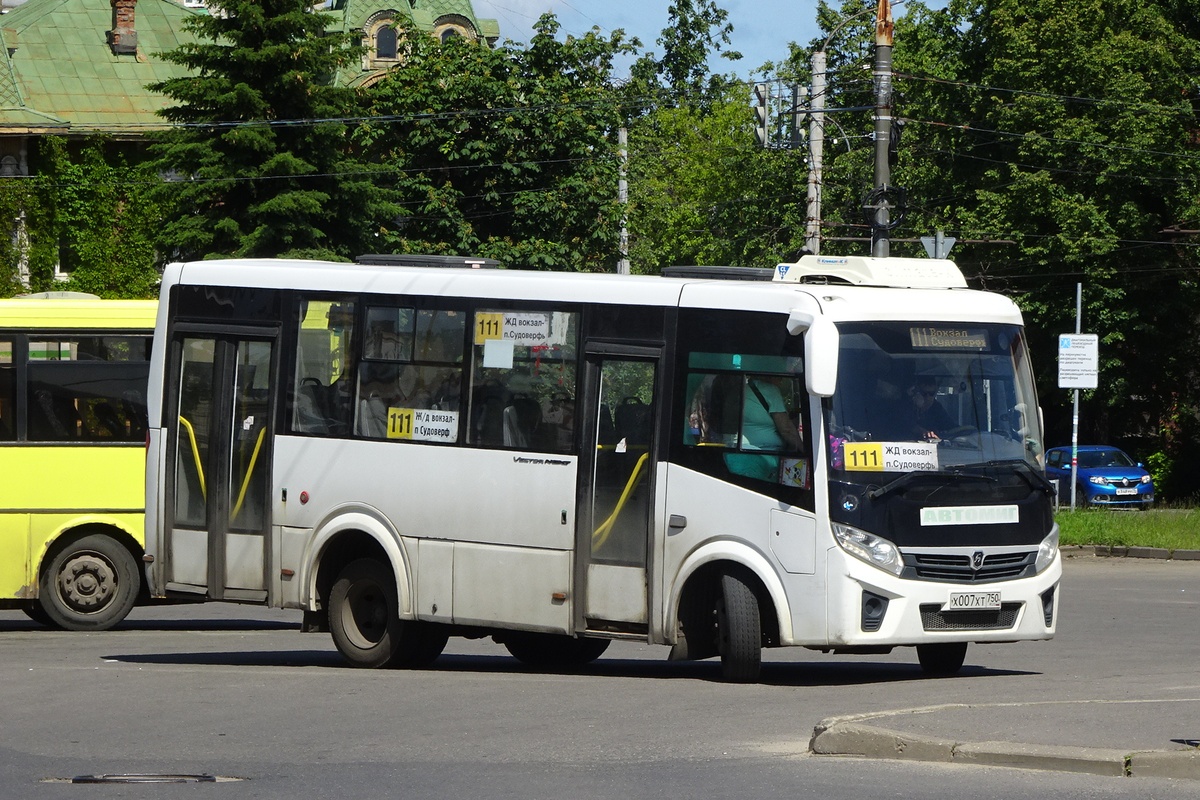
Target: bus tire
{"points": [[38, 614], [739, 631], [363, 614], [549, 651], [420, 645], [89, 585], [942, 659]]}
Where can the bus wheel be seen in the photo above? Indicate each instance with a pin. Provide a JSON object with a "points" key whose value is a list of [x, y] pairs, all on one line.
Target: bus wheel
{"points": [[547, 650], [89, 585], [363, 617], [942, 659], [420, 645], [38, 614], [739, 631]]}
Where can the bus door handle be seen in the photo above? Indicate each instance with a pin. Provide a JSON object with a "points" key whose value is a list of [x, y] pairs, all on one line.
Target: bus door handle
{"points": [[676, 523]]}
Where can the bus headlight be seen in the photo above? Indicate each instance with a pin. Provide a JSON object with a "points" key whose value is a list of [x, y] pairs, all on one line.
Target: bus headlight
{"points": [[1047, 550], [875, 550]]}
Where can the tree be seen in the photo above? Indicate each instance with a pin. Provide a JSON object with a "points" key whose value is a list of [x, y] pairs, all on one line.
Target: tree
{"points": [[704, 192], [695, 29], [258, 162], [1069, 129], [508, 153]]}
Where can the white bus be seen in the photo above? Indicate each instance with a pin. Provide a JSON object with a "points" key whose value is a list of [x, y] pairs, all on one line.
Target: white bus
{"points": [[719, 461]]}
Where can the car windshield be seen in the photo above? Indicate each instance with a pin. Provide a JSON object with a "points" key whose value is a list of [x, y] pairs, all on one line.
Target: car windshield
{"points": [[1093, 459], [920, 398]]}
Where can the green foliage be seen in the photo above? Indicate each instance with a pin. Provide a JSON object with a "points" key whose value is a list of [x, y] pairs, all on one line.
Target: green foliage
{"points": [[508, 153], [16, 195], [681, 76], [103, 220], [86, 212], [1169, 529], [259, 159], [703, 192]]}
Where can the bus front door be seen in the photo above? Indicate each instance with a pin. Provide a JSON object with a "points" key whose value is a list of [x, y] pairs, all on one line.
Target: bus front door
{"points": [[219, 441], [616, 497]]}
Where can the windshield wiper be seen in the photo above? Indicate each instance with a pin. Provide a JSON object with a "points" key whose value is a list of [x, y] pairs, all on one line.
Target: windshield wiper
{"points": [[1035, 478], [911, 477]]}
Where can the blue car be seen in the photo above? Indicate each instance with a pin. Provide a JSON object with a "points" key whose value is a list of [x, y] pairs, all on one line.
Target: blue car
{"points": [[1105, 476]]}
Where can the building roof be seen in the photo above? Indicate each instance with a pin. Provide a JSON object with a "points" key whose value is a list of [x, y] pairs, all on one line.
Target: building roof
{"points": [[59, 73]]}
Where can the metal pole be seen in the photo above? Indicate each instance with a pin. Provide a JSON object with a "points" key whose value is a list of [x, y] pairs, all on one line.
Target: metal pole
{"points": [[816, 143], [1075, 412], [623, 199], [880, 247]]}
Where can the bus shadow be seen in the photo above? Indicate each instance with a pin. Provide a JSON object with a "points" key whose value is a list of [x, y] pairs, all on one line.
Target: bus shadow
{"points": [[161, 625], [244, 658], [798, 674]]}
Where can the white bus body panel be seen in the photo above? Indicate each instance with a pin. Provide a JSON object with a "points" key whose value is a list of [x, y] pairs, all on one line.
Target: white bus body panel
{"points": [[849, 577], [498, 534], [729, 523]]}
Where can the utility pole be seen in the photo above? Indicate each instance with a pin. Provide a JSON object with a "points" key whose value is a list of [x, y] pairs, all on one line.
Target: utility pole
{"points": [[816, 144], [884, 28], [816, 136], [623, 198]]}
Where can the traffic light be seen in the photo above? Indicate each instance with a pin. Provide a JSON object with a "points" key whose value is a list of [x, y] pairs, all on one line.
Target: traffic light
{"points": [[762, 112]]}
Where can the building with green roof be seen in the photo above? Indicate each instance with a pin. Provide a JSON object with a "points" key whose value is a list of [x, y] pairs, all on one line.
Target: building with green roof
{"points": [[79, 67]]}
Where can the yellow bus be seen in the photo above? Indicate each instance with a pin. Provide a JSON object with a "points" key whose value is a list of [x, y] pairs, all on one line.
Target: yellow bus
{"points": [[73, 375]]}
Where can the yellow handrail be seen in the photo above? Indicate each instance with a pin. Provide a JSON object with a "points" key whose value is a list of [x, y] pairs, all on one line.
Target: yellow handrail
{"points": [[195, 455], [249, 471], [606, 527]]}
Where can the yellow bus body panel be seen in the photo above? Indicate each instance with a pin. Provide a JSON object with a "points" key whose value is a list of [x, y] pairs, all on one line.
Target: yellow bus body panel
{"points": [[48, 489]]}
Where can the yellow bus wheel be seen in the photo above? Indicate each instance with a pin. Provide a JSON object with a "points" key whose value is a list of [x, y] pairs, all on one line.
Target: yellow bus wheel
{"points": [[90, 584]]}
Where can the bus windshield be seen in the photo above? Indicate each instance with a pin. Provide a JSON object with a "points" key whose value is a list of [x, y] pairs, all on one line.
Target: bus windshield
{"points": [[919, 398]]}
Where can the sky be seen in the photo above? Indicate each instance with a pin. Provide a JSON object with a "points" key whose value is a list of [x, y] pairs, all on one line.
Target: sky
{"points": [[761, 28]]}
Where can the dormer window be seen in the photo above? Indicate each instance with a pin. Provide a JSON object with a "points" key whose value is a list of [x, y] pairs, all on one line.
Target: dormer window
{"points": [[385, 42]]}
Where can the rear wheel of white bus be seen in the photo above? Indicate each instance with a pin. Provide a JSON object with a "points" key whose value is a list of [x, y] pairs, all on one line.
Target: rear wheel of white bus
{"points": [[364, 621], [89, 584], [551, 651]]}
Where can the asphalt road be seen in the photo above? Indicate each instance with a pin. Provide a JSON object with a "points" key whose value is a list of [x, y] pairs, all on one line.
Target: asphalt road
{"points": [[237, 692]]}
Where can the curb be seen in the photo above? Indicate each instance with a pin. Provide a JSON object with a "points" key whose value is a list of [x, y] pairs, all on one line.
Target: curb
{"points": [[835, 738], [1117, 551]]}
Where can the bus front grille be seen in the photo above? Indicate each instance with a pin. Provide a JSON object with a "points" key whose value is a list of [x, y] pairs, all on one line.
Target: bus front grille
{"points": [[933, 618], [955, 568]]}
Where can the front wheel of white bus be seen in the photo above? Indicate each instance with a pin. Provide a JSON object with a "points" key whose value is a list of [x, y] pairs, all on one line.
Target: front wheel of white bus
{"points": [[739, 631], [364, 621], [942, 659], [89, 584]]}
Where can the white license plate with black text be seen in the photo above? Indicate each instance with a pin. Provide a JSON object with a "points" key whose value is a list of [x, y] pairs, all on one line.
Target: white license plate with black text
{"points": [[973, 601], [1131, 490]]}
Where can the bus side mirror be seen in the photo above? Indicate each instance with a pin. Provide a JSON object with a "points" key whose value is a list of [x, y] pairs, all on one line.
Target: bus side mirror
{"points": [[820, 351]]}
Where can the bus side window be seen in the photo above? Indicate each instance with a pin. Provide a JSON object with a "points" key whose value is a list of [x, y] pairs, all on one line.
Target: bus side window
{"points": [[522, 392], [8, 392], [322, 396]]}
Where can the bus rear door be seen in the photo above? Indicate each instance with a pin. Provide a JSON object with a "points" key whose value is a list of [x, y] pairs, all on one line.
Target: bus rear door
{"points": [[218, 453]]}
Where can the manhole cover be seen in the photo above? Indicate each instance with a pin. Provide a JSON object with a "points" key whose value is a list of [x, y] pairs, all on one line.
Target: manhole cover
{"points": [[143, 777]]}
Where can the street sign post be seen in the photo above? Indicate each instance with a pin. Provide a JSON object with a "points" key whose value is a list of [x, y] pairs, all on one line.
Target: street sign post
{"points": [[1078, 368], [1078, 361]]}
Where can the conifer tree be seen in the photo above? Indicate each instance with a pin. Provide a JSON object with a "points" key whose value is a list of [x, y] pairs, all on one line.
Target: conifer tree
{"points": [[258, 162]]}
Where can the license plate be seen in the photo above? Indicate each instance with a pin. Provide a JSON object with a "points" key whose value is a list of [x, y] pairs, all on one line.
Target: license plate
{"points": [[1131, 490], [973, 601]]}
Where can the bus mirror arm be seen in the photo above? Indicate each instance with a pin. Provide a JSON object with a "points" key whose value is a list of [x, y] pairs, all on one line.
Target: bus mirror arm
{"points": [[820, 351]]}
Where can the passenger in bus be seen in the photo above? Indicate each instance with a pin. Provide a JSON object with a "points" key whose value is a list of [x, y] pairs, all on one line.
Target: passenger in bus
{"points": [[766, 426], [929, 420]]}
